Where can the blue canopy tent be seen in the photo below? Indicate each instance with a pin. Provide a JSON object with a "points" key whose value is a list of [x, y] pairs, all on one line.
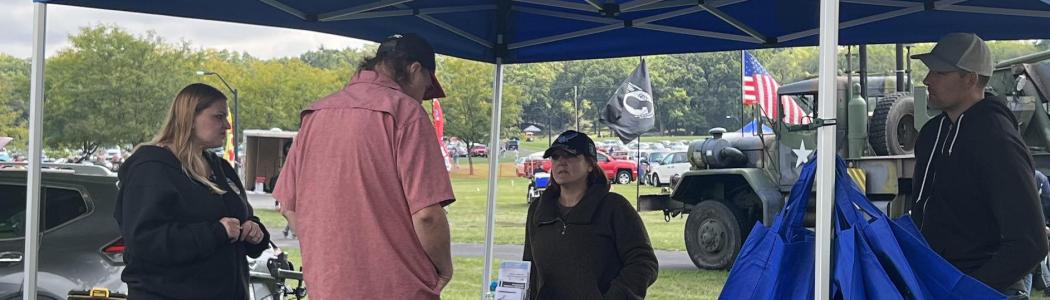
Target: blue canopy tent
{"points": [[524, 31], [752, 128]]}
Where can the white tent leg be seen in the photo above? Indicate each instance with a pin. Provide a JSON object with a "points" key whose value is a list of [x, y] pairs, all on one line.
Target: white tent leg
{"points": [[490, 215], [36, 113], [829, 37]]}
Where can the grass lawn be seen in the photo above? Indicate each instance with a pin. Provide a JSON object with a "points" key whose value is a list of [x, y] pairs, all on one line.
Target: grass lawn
{"points": [[671, 284], [467, 220], [467, 214]]}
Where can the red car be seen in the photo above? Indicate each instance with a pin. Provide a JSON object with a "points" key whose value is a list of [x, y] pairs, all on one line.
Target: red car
{"points": [[619, 171], [479, 150]]}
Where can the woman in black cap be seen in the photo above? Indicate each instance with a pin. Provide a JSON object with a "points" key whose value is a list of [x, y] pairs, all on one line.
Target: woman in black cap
{"points": [[584, 241]]}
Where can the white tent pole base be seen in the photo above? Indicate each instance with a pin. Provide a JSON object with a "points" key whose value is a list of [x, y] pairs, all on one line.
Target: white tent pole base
{"points": [[490, 216]]}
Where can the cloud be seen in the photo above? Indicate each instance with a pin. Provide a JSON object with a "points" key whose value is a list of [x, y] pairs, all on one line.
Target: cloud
{"points": [[16, 37]]}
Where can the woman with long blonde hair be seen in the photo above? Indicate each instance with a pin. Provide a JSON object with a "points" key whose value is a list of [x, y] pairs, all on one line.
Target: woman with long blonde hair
{"points": [[182, 210]]}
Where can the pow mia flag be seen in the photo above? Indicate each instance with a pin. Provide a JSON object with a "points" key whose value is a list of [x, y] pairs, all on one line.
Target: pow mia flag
{"points": [[630, 111]]}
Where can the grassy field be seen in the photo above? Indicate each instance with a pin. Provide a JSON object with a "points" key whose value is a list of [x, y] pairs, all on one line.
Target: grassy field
{"points": [[467, 220], [671, 284], [467, 215]]}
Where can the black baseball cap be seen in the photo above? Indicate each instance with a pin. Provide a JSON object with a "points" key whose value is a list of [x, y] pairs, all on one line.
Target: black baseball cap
{"points": [[573, 142], [416, 49]]}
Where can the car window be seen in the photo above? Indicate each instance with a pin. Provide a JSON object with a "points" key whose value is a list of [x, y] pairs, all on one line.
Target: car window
{"points": [[667, 160], [679, 157], [658, 156], [59, 206], [602, 157]]}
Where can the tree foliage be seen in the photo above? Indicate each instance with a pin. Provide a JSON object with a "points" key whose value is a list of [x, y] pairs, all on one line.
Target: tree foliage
{"points": [[468, 103], [14, 99], [111, 87]]}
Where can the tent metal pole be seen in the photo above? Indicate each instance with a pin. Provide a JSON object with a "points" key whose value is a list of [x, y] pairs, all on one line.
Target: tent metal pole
{"points": [[285, 8], [36, 114], [733, 21], [699, 33], [490, 215], [829, 37], [335, 15], [629, 6], [560, 4]]}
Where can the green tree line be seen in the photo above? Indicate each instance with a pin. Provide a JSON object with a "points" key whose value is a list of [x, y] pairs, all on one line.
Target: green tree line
{"points": [[111, 87]]}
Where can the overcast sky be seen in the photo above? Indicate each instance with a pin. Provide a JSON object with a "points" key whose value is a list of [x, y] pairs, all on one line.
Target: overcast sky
{"points": [[16, 30]]}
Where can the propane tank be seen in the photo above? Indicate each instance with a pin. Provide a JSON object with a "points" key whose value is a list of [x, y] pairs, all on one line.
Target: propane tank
{"points": [[857, 117]]}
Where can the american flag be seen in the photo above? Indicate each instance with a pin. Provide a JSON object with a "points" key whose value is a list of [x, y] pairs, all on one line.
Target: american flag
{"points": [[760, 88]]}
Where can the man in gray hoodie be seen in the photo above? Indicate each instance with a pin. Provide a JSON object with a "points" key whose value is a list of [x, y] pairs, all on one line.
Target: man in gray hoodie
{"points": [[974, 195]]}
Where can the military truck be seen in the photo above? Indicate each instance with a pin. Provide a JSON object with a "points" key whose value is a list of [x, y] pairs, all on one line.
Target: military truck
{"points": [[738, 179]]}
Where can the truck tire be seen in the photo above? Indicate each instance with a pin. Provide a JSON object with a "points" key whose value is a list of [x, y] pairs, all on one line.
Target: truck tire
{"points": [[891, 130], [712, 235], [655, 181], [623, 177]]}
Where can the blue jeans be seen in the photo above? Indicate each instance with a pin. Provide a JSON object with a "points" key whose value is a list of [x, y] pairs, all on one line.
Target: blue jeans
{"points": [[1044, 269], [1017, 290], [1028, 283]]}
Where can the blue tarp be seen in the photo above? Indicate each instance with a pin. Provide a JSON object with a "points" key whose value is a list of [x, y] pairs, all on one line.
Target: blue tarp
{"points": [[750, 128], [555, 30]]}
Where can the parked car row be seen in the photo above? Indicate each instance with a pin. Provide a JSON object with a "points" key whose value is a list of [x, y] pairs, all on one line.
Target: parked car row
{"points": [[620, 171], [459, 149]]}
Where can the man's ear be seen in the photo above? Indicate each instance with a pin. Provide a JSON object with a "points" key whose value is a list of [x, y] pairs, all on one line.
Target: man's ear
{"points": [[414, 67], [972, 78]]}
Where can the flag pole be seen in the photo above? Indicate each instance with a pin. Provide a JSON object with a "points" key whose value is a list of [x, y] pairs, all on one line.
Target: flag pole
{"points": [[638, 156], [638, 162], [742, 93]]}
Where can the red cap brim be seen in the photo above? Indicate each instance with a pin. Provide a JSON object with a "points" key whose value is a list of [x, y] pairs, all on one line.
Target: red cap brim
{"points": [[435, 91]]}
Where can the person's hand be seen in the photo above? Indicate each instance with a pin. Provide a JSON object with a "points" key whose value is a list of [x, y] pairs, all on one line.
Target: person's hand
{"points": [[251, 232], [233, 228]]}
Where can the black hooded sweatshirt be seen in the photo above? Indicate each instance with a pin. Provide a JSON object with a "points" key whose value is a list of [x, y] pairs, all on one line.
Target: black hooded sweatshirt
{"points": [[176, 247], [598, 250], [974, 197]]}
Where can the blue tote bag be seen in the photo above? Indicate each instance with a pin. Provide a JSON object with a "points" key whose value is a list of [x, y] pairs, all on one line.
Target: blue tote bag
{"points": [[776, 262], [857, 273], [916, 270]]}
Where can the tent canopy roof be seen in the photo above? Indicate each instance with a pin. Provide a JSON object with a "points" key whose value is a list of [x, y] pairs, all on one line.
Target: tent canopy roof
{"points": [[524, 31]]}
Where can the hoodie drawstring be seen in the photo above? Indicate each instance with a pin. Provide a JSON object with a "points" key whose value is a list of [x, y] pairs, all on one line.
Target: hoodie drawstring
{"points": [[933, 152], [958, 127], [925, 173]]}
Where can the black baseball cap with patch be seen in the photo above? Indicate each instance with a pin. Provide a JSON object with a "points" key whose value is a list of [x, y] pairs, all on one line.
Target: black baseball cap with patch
{"points": [[416, 49], [573, 142]]}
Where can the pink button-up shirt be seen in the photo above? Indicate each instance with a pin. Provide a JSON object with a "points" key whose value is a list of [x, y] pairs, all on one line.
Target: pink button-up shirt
{"points": [[366, 159]]}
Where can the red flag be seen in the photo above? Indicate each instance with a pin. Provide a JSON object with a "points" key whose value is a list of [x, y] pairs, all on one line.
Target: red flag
{"points": [[439, 128], [227, 152], [439, 119]]}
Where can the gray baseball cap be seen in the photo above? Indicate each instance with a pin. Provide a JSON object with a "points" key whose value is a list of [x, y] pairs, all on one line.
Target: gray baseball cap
{"points": [[959, 52]]}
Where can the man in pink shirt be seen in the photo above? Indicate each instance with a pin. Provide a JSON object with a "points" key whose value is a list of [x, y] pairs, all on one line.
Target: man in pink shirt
{"points": [[364, 183]]}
